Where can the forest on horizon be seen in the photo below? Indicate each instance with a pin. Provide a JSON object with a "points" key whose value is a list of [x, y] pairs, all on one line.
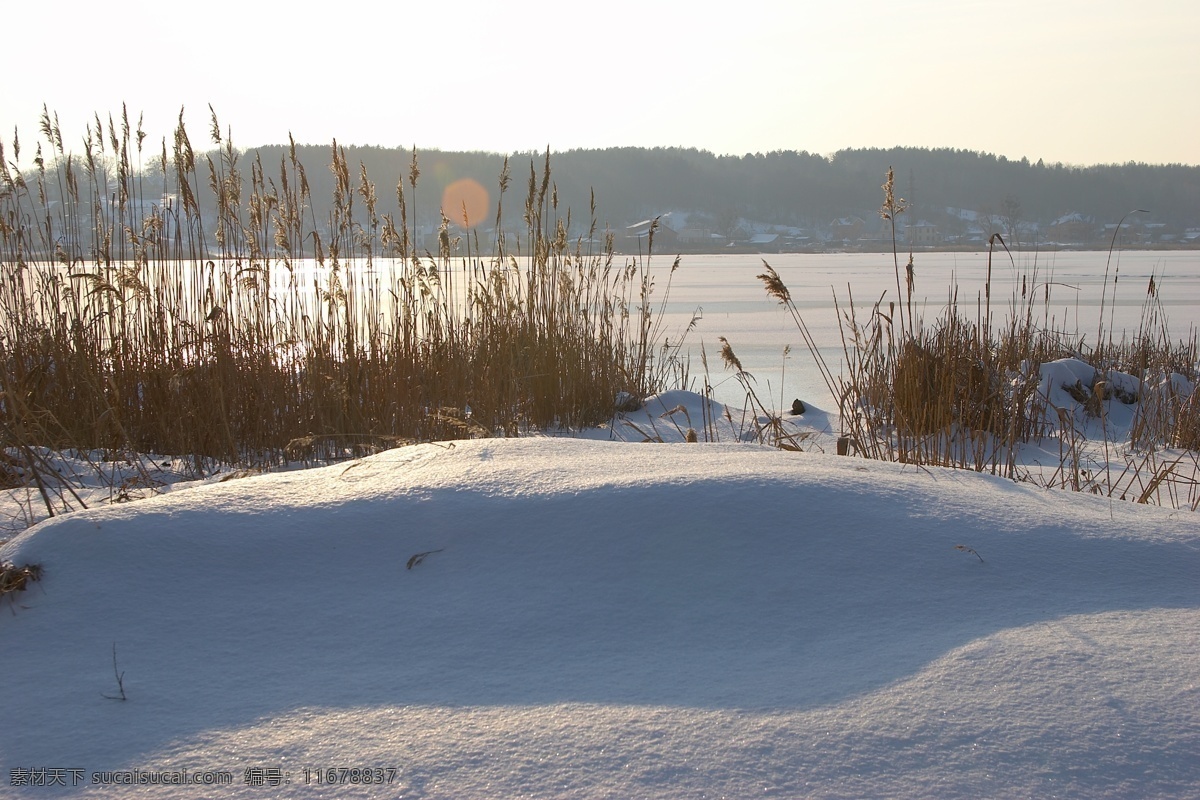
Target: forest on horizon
{"points": [[955, 197], [785, 188]]}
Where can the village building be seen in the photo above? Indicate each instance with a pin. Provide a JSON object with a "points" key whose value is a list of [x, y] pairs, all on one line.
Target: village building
{"points": [[1073, 228]]}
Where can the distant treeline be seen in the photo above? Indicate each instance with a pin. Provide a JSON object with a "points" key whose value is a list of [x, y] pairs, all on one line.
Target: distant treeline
{"points": [[729, 196], [780, 188]]}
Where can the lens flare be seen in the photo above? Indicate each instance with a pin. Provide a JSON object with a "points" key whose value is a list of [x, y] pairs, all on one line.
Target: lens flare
{"points": [[465, 202]]}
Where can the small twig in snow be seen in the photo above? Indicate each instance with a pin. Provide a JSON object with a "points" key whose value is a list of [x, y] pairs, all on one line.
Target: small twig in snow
{"points": [[970, 550], [419, 557], [120, 678]]}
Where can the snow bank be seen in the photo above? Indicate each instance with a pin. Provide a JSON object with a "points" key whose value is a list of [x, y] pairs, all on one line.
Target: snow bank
{"points": [[604, 619]]}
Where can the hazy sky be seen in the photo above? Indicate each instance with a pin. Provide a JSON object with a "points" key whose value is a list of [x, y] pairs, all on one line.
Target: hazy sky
{"points": [[1077, 81]]}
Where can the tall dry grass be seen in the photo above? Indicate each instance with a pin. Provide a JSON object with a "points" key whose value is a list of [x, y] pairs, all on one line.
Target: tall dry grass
{"points": [[186, 302], [965, 389]]}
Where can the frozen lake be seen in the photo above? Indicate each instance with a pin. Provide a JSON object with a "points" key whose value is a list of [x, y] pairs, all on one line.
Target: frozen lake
{"points": [[733, 303]]}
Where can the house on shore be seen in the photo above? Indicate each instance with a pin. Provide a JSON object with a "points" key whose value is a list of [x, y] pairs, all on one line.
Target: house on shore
{"points": [[846, 230], [1073, 228], [636, 237], [700, 238], [922, 233], [766, 242]]}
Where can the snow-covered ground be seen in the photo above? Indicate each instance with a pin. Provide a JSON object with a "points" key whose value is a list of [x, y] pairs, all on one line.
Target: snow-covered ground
{"points": [[608, 619]]}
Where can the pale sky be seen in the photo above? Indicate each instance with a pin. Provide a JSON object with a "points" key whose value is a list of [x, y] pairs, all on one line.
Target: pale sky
{"points": [[1076, 81]]}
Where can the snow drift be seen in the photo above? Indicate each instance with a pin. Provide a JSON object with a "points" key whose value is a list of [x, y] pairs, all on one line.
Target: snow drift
{"points": [[605, 619]]}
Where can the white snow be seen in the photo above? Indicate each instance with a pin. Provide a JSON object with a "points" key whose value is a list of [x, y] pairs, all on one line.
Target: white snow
{"points": [[608, 619]]}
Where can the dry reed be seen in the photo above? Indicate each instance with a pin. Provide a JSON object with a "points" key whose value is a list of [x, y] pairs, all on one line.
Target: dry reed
{"points": [[964, 390], [189, 303]]}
